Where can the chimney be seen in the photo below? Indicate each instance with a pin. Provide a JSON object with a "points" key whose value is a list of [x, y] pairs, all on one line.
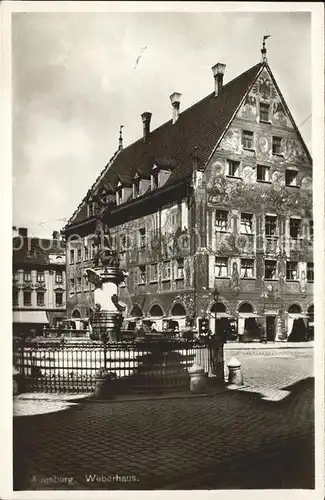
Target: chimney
{"points": [[218, 71], [175, 99], [22, 231], [146, 117], [55, 235]]}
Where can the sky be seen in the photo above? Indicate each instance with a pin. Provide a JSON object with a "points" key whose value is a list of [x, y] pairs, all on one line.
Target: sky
{"points": [[75, 81]]}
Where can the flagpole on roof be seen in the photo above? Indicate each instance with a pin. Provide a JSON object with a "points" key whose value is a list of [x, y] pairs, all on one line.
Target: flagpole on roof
{"points": [[263, 50]]}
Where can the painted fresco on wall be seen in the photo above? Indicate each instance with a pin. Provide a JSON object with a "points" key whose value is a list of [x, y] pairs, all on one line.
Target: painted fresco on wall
{"points": [[249, 108], [218, 168], [259, 197], [248, 174], [307, 183], [293, 151], [232, 141]]}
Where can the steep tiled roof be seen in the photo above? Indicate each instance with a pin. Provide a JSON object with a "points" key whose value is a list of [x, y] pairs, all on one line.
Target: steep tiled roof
{"points": [[36, 251], [197, 130]]}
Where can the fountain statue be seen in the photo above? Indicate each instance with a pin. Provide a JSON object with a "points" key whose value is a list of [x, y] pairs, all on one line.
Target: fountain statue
{"points": [[106, 275]]}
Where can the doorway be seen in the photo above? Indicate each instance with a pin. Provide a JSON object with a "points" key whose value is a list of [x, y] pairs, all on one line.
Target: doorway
{"points": [[270, 328]]}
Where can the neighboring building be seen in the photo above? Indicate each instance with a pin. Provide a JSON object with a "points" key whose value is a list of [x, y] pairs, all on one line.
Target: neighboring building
{"points": [[219, 197], [38, 282]]}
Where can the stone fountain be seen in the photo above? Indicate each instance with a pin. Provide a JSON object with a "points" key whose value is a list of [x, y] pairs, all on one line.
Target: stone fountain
{"points": [[106, 275]]}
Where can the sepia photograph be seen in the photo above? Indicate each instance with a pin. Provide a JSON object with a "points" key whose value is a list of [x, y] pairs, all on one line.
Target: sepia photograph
{"points": [[167, 245]]}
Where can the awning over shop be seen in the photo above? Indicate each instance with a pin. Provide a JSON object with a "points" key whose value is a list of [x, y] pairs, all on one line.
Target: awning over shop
{"points": [[248, 315], [37, 317], [175, 318], [133, 318], [222, 315], [298, 316]]}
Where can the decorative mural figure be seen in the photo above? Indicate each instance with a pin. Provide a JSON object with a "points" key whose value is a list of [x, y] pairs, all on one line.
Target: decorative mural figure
{"points": [[264, 148], [303, 282], [249, 109], [293, 151], [235, 278], [248, 174], [306, 183], [218, 192], [217, 168], [231, 141], [279, 114]]}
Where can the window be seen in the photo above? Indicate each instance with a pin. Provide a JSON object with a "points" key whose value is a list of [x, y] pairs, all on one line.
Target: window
{"points": [[246, 223], [58, 299], [270, 225], [58, 277], [79, 255], [86, 253], [15, 298], [27, 298], [27, 276], [79, 284], [16, 276], [91, 209], [142, 237], [86, 282], [40, 276], [136, 188], [295, 228], [263, 173], [310, 271], [221, 267], [311, 230], [179, 269], [119, 196], [154, 272], [291, 177], [72, 256], [142, 279], [93, 250], [40, 299], [166, 270], [233, 168], [292, 271], [123, 242], [270, 269], [221, 220], [247, 139], [264, 112], [72, 284], [247, 268], [154, 180], [276, 145]]}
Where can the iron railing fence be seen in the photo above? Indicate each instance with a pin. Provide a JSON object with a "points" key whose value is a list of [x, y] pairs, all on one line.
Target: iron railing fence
{"points": [[63, 365]]}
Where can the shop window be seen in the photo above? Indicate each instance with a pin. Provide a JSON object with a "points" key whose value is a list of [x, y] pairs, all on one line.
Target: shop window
{"points": [[270, 225], [247, 139], [276, 145], [72, 256], [263, 173], [310, 271], [291, 177], [292, 270], [233, 168], [270, 269], [221, 267], [247, 268], [221, 220], [264, 112], [246, 223], [295, 228], [27, 298], [40, 299]]}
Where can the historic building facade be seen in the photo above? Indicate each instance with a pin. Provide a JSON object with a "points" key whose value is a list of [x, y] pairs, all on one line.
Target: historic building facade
{"points": [[211, 214], [38, 282]]}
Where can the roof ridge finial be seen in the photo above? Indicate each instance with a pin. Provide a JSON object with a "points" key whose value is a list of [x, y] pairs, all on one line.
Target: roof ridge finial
{"points": [[263, 50], [120, 140]]}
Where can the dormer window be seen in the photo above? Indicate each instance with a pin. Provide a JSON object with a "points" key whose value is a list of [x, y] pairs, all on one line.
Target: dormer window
{"points": [[91, 209], [155, 180], [136, 188], [119, 196]]}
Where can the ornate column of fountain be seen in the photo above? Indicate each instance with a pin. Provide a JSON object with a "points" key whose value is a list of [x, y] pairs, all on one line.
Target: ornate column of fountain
{"points": [[106, 275]]}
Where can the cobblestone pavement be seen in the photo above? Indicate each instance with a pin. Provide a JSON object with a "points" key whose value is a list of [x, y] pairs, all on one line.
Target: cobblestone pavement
{"points": [[235, 439]]}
